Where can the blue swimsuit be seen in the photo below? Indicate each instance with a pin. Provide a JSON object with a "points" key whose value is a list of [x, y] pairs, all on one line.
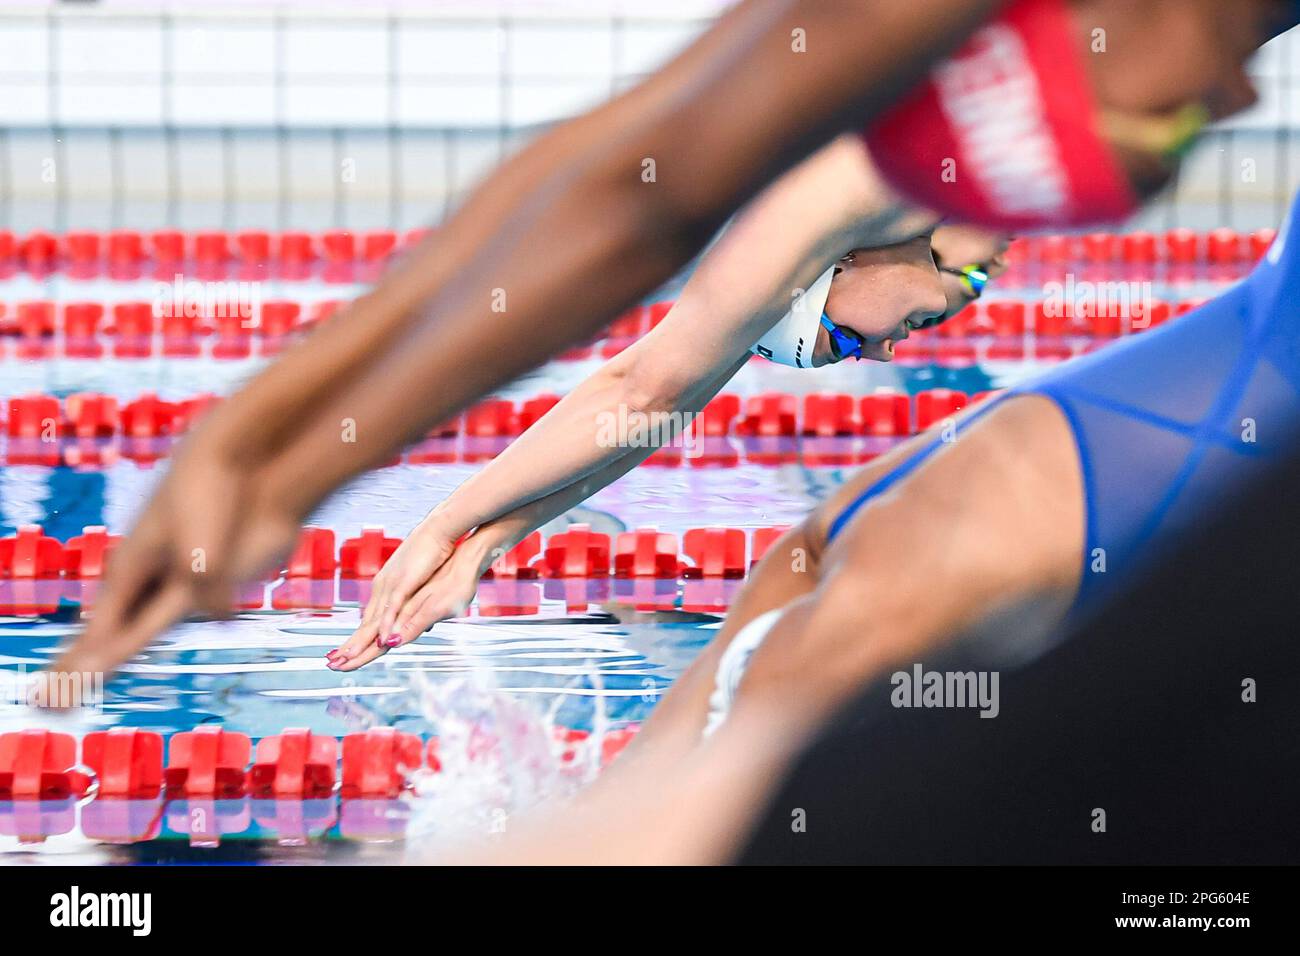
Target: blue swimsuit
{"points": [[1170, 420]]}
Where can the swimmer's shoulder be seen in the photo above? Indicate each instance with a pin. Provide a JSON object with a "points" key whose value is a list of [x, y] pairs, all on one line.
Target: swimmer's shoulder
{"points": [[1015, 462], [825, 514]]}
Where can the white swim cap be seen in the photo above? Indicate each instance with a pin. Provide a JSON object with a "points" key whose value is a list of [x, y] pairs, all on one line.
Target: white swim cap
{"points": [[792, 340]]}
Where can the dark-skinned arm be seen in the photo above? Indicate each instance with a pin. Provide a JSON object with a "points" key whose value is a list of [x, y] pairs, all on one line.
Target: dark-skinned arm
{"points": [[591, 236]]}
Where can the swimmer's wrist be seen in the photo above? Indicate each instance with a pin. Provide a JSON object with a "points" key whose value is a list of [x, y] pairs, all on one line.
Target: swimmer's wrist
{"points": [[488, 543], [473, 504], [445, 522]]}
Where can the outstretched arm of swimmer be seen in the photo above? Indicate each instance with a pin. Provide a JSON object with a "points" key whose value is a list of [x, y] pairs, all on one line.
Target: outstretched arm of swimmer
{"points": [[829, 204], [438, 578], [744, 283], [593, 235], [590, 217]]}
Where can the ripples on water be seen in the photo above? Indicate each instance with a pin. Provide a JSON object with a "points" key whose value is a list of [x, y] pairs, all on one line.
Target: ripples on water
{"points": [[492, 690], [496, 693], [259, 674]]}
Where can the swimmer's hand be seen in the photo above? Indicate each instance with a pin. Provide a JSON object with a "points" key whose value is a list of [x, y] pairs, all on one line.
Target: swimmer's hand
{"points": [[428, 579], [210, 526]]}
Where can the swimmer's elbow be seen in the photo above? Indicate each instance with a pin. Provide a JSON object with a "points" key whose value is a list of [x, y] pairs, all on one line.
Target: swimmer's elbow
{"points": [[861, 598], [883, 610], [646, 379], [653, 391]]}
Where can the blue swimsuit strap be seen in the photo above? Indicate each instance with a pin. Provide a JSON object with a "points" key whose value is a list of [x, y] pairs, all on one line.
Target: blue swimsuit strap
{"points": [[907, 466]]}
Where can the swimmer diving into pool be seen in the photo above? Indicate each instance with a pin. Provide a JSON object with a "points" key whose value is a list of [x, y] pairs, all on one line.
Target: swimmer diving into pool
{"points": [[861, 304], [1048, 500], [599, 211]]}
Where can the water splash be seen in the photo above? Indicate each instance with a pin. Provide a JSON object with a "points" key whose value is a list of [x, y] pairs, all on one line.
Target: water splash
{"points": [[499, 755]]}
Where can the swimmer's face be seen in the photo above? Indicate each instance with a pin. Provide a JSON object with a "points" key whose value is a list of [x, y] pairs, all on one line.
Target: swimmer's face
{"points": [[957, 246], [1155, 65], [881, 295]]}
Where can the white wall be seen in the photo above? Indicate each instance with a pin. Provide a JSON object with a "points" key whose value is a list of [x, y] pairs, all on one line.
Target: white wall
{"points": [[363, 66]]}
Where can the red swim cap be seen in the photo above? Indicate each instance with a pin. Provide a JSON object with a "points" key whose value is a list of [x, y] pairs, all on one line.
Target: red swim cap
{"points": [[1004, 132]]}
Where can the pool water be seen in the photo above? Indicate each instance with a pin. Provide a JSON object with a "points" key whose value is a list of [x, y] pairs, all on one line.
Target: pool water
{"points": [[521, 680], [263, 672]]}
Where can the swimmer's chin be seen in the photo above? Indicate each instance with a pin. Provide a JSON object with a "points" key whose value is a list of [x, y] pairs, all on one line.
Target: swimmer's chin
{"points": [[882, 352]]}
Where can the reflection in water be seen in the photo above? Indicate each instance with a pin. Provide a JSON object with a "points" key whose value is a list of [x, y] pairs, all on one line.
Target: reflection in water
{"points": [[519, 709], [262, 673]]}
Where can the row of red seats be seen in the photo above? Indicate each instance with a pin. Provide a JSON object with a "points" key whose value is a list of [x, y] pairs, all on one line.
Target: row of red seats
{"points": [[295, 785], [44, 329], [83, 415], [135, 324], [1220, 246], [211, 761], [43, 252], [578, 566], [40, 251], [578, 552]]}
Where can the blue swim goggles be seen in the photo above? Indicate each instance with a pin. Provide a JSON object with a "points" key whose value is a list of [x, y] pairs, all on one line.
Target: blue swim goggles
{"points": [[844, 344]]}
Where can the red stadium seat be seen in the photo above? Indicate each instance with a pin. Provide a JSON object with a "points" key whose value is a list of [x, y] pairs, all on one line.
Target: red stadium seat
{"points": [[886, 414], [830, 414], [764, 538], [646, 553], [714, 552], [936, 404]]}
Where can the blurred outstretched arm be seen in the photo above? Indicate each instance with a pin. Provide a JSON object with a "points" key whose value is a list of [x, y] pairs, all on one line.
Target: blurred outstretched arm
{"points": [[577, 227]]}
